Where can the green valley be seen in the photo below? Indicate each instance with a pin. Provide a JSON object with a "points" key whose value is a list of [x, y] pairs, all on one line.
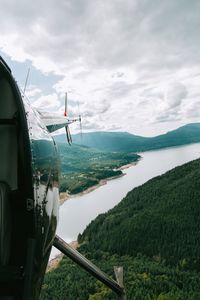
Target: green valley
{"points": [[98, 154], [83, 167]]}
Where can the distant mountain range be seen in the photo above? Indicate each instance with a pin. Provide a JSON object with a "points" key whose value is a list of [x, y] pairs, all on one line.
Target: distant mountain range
{"points": [[126, 142]]}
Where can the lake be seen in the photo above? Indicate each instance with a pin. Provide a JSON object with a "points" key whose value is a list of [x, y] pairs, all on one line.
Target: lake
{"points": [[79, 211]]}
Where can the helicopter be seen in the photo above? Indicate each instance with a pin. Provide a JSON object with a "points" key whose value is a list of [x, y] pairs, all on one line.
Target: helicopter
{"points": [[29, 195]]}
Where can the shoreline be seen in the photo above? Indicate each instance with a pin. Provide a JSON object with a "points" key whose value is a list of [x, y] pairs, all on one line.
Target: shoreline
{"points": [[65, 196], [54, 262], [96, 186], [134, 163]]}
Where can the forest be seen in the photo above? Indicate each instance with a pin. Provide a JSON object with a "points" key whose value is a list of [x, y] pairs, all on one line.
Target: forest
{"points": [[153, 233], [83, 167]]}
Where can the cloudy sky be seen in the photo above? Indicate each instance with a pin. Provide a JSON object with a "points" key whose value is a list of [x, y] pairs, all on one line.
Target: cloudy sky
{"points": [[133, 65]]}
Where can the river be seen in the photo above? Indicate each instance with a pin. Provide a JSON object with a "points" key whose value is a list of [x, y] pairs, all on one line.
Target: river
{"points": [[79, 211]]}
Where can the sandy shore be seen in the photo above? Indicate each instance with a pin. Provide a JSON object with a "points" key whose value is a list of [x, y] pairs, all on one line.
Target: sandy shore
{"points": [[53, 263], [96, 186], [127, 166], [65, 196]]}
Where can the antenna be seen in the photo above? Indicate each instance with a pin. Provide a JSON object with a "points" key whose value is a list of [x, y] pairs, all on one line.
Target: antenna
{"points": [[65, 112], [27, 76]]}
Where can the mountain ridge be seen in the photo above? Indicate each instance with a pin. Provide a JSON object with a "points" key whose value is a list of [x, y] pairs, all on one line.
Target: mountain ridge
{"points": [[127, 142]]}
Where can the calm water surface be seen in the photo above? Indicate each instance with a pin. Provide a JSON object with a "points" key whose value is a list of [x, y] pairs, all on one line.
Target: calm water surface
{"points": [[78, 212]]}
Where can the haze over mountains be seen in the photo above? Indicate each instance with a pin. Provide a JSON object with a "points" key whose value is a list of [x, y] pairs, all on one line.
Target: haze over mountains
{"points": [[126, 142]]}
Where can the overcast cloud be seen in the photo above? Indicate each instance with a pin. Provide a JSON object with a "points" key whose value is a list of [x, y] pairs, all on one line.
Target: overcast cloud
{"points": [[132, 64]]}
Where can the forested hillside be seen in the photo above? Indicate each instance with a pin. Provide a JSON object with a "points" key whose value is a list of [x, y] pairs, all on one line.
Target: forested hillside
{"points": [[160, 218], [153, 233], [126, 142]]}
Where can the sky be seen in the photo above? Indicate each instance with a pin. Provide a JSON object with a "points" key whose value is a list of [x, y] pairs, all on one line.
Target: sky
{"points": [[132, 65]]}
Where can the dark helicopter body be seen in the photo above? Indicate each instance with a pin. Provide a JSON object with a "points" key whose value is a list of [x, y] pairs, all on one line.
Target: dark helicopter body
{"points": [[29, 195], [29, 170]]}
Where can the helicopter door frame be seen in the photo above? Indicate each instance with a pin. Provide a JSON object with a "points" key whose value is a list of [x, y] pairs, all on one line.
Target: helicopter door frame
{"points": [[22, 256]]}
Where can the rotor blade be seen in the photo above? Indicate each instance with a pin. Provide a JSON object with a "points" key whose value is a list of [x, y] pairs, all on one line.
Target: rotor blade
{"points": [[68, 135], [27, 76], [80, 121]]}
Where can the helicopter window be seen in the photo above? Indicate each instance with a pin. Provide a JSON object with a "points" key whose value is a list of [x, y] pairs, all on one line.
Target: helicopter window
{"points": [[8, 135], [7, 101], [5, 219], [8, 155]]}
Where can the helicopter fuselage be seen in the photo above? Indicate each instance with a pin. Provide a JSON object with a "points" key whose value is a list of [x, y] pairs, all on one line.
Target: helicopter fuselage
{"points": [[29, 195]]}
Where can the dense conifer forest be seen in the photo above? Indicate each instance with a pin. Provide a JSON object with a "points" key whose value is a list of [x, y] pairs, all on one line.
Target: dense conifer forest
{"points": [[154, 233]]}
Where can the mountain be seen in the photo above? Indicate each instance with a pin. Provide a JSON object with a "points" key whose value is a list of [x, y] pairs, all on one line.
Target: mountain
{"points": [[160, 218], [153, 232], [106, 141], [126, 142]]}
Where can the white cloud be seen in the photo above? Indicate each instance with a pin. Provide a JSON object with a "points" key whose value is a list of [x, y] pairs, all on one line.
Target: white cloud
{"points": [[47, 103], [176, 93], [32, 91], [130, 64]]}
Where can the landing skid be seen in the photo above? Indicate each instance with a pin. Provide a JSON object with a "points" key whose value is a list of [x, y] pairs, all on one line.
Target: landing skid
{"points": [[83, 262]]}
